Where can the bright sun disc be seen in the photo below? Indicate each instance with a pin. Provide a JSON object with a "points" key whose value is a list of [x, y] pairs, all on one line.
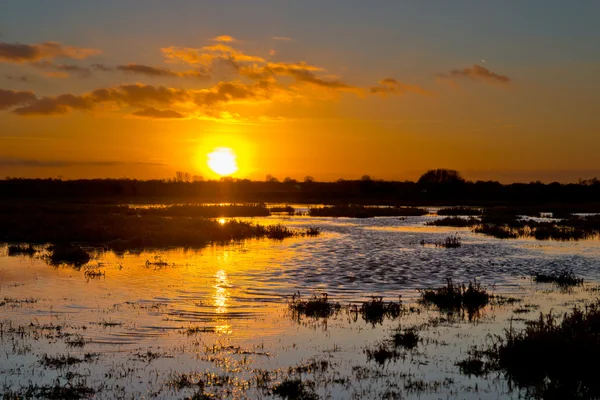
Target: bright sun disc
{"points": [[222, 161]]}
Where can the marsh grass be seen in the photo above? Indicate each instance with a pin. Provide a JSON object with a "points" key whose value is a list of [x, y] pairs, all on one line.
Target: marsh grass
{"points": [[318, 306], [459, 211], [457, 222], [376, 310], [68, 391], [68, 254], [564, 279], [552, 358], [469, 297], [121, 229], [359, 211], [497, 231], [295, 389], [382, 353], [407, 338], [286, 209], [450, 242], [17, 250]]}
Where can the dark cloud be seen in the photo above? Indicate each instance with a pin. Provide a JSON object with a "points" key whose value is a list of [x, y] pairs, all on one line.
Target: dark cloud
{"points": [[63, 70], [154, 113], [101, 67], [27, 162], [477, 72], [20, 53], [160, 71], [134, 95], [55, 105], [13, 98]]}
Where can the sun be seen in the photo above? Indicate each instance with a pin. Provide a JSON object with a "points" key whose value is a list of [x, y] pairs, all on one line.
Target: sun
{"points": [[223, 161]]}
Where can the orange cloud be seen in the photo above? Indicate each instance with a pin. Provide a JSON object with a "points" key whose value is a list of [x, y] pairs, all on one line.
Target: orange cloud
{"points": [[224, 38], [479, 73], [12, 98], [21, 53], [390, 86]]}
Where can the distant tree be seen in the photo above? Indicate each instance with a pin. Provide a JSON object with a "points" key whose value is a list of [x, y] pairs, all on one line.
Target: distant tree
{"points": [[440, 176], [308, 179], [366, 178], [271, 178], [287, 179]]}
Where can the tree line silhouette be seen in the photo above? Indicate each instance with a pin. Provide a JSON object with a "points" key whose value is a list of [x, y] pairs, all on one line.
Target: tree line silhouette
{"points": [[435, 187]]}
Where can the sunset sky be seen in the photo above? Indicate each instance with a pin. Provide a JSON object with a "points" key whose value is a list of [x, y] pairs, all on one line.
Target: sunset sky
{"points": [[505, 90]]}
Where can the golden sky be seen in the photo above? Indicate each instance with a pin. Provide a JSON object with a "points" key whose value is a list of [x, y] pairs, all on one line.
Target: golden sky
{"points": [[142, 106]]}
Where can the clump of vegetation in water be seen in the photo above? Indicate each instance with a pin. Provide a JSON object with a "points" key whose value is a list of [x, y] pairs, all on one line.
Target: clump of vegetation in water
{"points": [[68, 254], [318, 306], [17, 250], [459, 211], [295, 389], [407, 338], [382, 353], [565, 278], [375, 310], [451, 242], [455, 297], [360, 211], [551, 357], [455, 222]]}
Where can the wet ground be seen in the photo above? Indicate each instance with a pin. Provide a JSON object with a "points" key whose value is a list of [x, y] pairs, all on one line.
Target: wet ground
{"points": [[155, 324]]}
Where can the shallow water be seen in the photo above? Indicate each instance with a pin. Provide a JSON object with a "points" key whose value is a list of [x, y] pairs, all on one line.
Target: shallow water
{"points": [[236, 295]]}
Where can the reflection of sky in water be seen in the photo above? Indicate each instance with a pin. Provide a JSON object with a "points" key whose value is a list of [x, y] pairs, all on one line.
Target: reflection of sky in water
{"points": [[237, 292]]}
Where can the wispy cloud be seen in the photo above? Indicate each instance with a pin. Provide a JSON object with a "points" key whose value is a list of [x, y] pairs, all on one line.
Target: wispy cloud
{"points": [[282, 38], [390, 86], [477, 73]]}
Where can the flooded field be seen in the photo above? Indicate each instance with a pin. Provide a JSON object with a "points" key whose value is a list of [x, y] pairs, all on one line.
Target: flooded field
{"points": [[216, 323]]}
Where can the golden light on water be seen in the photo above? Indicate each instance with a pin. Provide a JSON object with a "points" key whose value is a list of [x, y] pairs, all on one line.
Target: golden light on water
{"points": [[222, 161]]}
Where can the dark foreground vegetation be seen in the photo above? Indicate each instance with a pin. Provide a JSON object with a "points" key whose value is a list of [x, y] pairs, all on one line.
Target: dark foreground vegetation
{"points": [[121, 228], [552, 358]]}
